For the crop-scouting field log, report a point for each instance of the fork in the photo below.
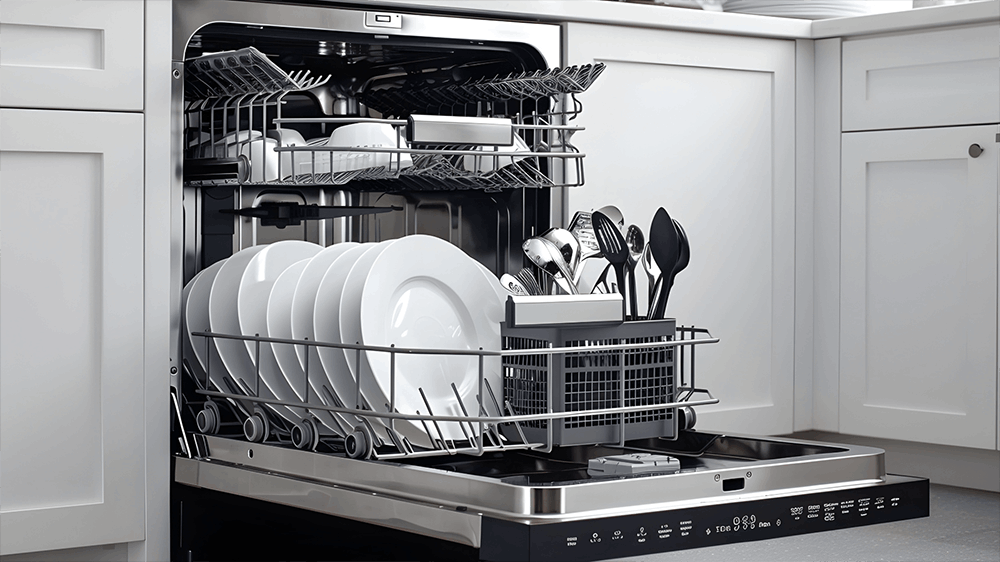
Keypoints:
(527, 278)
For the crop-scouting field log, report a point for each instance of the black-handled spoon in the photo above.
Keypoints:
(665, 247)
(683, 257)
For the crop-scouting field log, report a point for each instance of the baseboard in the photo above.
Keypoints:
(953, 466)
(103, 553)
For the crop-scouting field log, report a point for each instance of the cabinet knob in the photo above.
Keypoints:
(975, 150)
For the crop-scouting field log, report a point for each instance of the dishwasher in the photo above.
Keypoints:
(334, 131)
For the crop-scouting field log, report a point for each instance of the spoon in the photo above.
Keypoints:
(613, 246)
(684, 256)
(568, 246)
(547, 257)
(514, 286)
(666, 251)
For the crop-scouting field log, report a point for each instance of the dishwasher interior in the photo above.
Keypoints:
(571, 438)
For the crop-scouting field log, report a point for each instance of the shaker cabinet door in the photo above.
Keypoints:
(919, 286)
(71, 329)
(703, 125)
(72, 54)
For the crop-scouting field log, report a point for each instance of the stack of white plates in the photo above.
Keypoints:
(805, 9)
(417, 292)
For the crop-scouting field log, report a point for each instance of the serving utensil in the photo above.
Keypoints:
(568, 246)
(665, 247)
(683, 257)
(685, 251)
(547, 257)
(615, 214)
(651, 269)
(615, 250)
(582, 228)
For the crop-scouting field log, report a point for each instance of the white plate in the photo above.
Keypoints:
(224, 319)
(423, 292)
(296, 309)
(253, 292)
(257, 280)
(279, 326)
(326, 328)
(195, 317)
(304, 302)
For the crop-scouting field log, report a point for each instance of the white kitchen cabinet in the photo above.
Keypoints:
(942, 77)
(918, 282)
(703, 125)
(72, 54)
(71, 333)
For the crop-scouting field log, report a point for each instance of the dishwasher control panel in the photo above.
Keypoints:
(632, 535)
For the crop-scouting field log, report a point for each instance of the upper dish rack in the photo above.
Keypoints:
(547, 83)
(237, 134)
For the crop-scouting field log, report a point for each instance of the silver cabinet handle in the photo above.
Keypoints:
(975, 150)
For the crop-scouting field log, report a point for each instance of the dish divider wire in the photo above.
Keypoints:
(499, 425)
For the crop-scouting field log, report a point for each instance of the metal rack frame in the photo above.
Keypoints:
(485, 422)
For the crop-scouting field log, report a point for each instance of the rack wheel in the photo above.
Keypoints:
(208, 418)
(359, 443)
(256, 428)
(305, 436)
(687, 418)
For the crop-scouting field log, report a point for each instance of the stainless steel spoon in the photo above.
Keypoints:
(547, 257)
(651, 269)
(568, 246)
(513, 286)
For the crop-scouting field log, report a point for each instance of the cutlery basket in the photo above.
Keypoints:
(588, 380)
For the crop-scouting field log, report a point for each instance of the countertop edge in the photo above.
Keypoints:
(918, 18)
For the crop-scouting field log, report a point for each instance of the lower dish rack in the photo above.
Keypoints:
(560, 387)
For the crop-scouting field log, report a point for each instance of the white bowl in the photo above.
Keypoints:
(368, 135)
(495, 157)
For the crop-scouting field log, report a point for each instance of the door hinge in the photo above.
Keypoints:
(998, 137)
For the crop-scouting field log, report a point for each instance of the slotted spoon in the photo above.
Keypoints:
(613, 246)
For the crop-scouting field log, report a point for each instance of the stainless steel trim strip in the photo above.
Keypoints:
(416, 517)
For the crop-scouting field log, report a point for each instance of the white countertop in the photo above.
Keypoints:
(686, 19)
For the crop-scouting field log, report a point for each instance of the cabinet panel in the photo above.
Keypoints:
(664, 128)
(71, 54)
(934, 78)
(919, 286)
(71, 347)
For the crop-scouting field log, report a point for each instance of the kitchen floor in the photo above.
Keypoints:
(964, 526)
